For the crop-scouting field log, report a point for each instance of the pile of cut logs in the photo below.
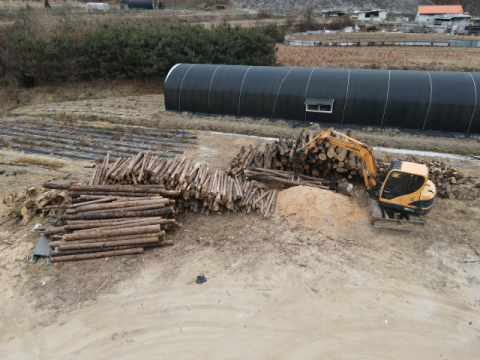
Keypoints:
(192, 184)
(326, 161)
(106, 221)
(26, 204)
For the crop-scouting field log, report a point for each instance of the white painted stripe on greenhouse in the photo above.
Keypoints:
(386, 100)
(306, 90)
(171, 70)
(279, 88)
(240, 94)
(180, 92)
(346, 96)
(475, 107)
(430, 103)
(211, 81)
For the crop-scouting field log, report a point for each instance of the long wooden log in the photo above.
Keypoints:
(107, 221)
(134, 162)
(126, 194)
(96, 201)
(93, 224)
(99, 233)
(151, 206)
(122, 204)
(137, 242)
(106, 188)
(115, 215)
(103, 249)
(160, 236)
(98, 255)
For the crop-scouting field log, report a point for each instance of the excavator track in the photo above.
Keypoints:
(381, 219)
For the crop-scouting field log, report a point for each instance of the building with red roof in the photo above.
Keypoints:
(442, 17)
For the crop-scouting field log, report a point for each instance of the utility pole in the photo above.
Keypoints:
(468, 6)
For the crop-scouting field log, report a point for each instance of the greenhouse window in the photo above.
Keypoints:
(319, 105)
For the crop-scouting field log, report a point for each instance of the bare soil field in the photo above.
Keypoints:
(376, 57)
(310, 281)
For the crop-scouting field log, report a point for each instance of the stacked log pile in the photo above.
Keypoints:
(325, 161)
(27, 204)
(114, 221)
(192, 184)
(329, 162)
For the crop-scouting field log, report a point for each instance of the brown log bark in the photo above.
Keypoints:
(160, 236)
(96, 201)
(106, 188)
(100, 233)
(118, 168)
(134, 162)
(98, 255)
(115, 215)
(95, 250)
(118, 204)
(105, 244)
(92, 179)
(122, 224)
(151, 206)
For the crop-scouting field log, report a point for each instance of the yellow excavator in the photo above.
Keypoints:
(396, 203)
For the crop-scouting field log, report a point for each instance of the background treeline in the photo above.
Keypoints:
(70, 50)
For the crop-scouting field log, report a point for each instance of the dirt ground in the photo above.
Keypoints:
(277, 288)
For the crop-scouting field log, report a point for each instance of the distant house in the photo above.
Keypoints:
(442, 16)
(378, 15)
(325, 14)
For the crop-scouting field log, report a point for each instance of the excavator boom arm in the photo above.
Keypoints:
(364, 151)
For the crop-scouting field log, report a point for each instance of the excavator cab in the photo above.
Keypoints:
(407, 189)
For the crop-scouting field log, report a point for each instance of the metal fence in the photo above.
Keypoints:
(344, 40)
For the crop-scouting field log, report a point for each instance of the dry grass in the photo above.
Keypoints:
(395, 58)
(14, 95)
(5, 143)
(32, 161)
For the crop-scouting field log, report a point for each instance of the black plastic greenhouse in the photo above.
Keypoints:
(139, 4)
(423, 101)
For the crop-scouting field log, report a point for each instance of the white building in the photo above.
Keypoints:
(378, 15)
(442, 16)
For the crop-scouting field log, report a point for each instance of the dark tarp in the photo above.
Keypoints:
(259, 91)
(139, 4)
(412, 100)
(313, 101)
(453, 101)
(408, 99)
(225, 89)
(367, 96)
(291, 95)
(328, 84)
(474, 126)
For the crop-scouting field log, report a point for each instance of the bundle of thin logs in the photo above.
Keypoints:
(193, 186)
(325, 161)
(105, 221)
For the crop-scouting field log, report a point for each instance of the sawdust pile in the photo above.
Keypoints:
(313, 207)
